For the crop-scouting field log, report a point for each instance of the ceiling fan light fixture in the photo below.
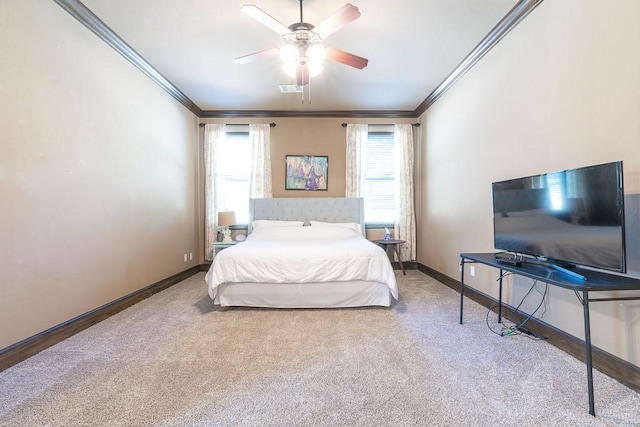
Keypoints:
(315, 69)
(301, 54)
(290, 68)
(316, 54)
(289, 54)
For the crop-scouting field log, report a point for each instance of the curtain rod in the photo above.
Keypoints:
(415, 125)
(239, 124)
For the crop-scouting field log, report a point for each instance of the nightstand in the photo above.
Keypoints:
(218, 246)
(393, 243)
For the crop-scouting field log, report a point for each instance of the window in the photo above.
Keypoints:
(236, 175)
(380, 178)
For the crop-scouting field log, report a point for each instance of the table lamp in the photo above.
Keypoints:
(225, 219)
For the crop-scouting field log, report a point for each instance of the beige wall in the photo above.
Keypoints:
(560, 91)
(98, 185)
(317, 137)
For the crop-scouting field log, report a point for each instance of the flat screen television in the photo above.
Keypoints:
(571, 217)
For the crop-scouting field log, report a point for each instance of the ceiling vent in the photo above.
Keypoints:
(291, 89)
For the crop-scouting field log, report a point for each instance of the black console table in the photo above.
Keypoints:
(596, 281)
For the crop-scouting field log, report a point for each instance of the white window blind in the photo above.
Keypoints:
(380, 178)
(236, 175)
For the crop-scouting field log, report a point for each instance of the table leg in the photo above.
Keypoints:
(461, 287)
(399, 260)
(587, 346)
(500, 299)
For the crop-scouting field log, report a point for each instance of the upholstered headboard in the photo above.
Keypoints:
(326, 209)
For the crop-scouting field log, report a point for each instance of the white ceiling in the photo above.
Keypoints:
(412, 46)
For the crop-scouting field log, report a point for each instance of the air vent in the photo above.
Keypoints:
(291, 89)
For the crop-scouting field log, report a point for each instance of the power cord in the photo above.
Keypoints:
(506, 329)
(519, 329)
(542, 301)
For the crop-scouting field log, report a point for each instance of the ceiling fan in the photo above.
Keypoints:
(303, 52)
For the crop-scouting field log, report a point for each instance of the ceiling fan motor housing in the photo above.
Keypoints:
(305, 45)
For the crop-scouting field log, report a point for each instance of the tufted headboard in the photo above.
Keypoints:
(326, 209)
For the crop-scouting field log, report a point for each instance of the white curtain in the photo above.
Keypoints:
(260, 182)
(357, 136)
(405, 225)
(214, 137)
(261, 185)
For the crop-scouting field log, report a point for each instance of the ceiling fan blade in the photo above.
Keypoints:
(337, 20)
(256, 56)
(346, 58)
(264, 18)
(302, 75)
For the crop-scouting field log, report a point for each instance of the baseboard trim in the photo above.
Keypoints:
(31, 346)
(408, 265)
(605, 362)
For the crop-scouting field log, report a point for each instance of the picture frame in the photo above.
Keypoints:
(308, 173)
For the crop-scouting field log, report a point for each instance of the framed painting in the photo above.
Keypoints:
(306, 172)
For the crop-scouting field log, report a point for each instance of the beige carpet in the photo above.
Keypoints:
(176, 360)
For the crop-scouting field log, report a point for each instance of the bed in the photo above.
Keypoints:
(303, 253)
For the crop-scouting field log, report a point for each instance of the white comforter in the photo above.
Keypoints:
(302, 255)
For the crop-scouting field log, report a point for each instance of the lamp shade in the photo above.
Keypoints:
(226, 218)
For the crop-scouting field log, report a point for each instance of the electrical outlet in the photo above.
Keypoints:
(472, 270)
(185, 257)
(190, 256)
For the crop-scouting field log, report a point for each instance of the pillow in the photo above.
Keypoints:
(268, 223)
(352, 225)
(307, 234)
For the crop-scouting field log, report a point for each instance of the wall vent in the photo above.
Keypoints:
(291, 89)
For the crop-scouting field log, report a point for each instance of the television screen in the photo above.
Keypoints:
(569, 217)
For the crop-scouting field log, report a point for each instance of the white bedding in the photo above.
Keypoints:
(302, 255)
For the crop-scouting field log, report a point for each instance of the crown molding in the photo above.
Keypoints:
(319, 113)
(99, 28)
(510, 20)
